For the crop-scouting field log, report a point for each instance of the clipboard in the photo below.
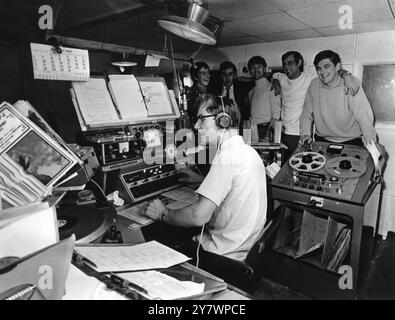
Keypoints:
(38, 276)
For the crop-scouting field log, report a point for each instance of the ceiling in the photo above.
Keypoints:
(133, 22)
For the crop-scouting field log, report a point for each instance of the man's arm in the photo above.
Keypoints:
(275, 105)
(362, 111)
(276, 85)
(194, 215)
(351, 83)
(306, 118)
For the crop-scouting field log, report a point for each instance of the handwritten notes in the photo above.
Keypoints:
(95, 102)
(162, 286)
(148, 255)
(156, 98)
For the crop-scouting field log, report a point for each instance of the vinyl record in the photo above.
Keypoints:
(87, 223)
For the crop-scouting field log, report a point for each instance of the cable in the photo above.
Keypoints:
(197, 250)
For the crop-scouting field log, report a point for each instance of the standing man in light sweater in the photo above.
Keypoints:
(293, 85)
(265, 106)
(338, 118)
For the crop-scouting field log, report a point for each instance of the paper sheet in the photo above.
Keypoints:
(155, 96)
(162, 286)
(136, 213)
(126, 92)
(152, 61)
(374, 152)
(80, 286)
(144, 256)
(95, 102)
(182, 197)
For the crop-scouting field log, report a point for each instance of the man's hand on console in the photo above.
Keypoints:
(305, 139)
(156, 210)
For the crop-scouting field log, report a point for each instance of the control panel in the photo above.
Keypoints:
(336, 171)
(124, 146)
(146, 181)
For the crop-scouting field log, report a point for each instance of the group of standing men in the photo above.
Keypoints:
(333, 101)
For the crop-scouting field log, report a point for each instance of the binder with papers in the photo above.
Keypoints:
(124, 100)
(148, 271)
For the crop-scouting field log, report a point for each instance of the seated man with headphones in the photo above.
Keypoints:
(232, 197)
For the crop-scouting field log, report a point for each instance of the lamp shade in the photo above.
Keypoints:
(190, 27)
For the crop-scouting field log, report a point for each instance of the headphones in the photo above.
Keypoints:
(223, 120)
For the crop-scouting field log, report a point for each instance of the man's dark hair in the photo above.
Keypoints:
(213, 105)
(227, 65)
(297, 56)
(327, 54)
(256, 60)
(195, 68)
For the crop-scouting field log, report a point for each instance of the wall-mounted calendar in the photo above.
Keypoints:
(72, 64)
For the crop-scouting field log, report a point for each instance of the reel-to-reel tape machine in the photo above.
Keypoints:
(328, 170)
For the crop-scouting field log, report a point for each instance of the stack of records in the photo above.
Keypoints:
(338, 253)
(33, 158)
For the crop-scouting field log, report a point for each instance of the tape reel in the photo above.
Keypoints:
(307, 161)
(346, 167)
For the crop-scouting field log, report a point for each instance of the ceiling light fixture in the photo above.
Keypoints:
(191, 26)
(124, 63)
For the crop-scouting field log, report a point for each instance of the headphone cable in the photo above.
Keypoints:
(197, 250)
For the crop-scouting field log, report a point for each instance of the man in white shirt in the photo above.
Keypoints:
(265, 106)
(232, 197)
(293, 85)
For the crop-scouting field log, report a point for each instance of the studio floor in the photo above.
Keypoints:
(380, 283)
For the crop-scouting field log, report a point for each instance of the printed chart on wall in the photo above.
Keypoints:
(72, 64)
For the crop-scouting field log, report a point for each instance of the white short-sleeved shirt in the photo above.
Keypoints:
(293, 95)
(236, 183)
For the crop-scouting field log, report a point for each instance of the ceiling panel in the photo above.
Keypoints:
(278, 22)
(77, 11)
(328, 15)
(299, 4)
(297, 34)
(241, 9)
(360, 28)
(231, 33)
(237, 41)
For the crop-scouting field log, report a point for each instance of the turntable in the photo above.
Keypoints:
(87, 223)
(88, 220)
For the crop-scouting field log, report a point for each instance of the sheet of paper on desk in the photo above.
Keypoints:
(182, 197)
(136, 213)
(144, 256)
(162, 286)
